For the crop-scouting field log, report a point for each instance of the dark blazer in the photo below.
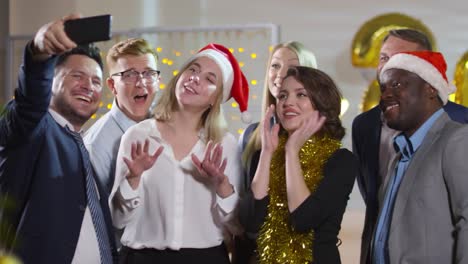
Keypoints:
(41, 169)
(322, 211)
(366, 142)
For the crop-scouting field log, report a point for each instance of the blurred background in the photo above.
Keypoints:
(329, 28)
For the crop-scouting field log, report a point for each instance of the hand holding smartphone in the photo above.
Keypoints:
(89, 29)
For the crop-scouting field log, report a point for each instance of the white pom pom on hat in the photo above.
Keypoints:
(428, 65)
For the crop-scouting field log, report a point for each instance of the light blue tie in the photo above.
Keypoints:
(97, 215)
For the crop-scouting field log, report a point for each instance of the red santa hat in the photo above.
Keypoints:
(428, 65)
(235, 84)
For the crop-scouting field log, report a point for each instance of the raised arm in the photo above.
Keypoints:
(32, 97)
(331, 195)
(136, 155)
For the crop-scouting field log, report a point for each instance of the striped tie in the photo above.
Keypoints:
(93, 203)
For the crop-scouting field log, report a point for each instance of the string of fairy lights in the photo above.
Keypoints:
(170, 60)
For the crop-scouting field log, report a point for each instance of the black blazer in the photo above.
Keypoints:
(322, 211)
(366, 130)
(42, 171)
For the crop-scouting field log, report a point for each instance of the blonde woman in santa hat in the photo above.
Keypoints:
(282, 56)
(178, 174)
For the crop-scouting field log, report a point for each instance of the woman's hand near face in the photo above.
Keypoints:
(212, 169)
(140, 161)
(309, 127)
(269, 137)
(269, 134)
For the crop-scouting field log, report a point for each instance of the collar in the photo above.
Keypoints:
(62, 121)
(123, 121)
(408, 146)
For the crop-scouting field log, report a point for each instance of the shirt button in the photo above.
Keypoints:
(136, 202)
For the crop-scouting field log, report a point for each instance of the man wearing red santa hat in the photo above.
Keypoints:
(423, 203)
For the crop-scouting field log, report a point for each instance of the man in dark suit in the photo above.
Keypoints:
(61, 212)
(373, 139)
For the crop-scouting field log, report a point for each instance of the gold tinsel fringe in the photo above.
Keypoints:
(277, 241)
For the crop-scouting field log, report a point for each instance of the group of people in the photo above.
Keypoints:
(173, 186)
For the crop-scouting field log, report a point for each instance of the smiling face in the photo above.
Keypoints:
(197, 86)
(76, 89)
(293, 105)
(282, 59)
(407, 101)
(133, 98)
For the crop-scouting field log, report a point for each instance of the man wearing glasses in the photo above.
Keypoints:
(133, 80)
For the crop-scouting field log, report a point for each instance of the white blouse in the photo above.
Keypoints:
(171, 207)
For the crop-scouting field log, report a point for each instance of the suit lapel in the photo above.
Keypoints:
(411, 174)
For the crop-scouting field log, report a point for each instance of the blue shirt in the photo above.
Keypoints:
(103, 140)
(406, 147)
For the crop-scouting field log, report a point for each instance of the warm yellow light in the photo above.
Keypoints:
(344, 106)
(231, 50)
(101, 104)
(109, 106)
(270, 48)
(240, 50)
(240, 131)
(178, 53)
(253, 55)
(93, 116)
(162, 86)
(170, 62)
(253, 82)
(158, 49)
(241, 64)
(451, 97)
(234, 105)
(175, 72)
(165, 60)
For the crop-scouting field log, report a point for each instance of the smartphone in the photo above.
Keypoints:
(272, 121)
(89, 29)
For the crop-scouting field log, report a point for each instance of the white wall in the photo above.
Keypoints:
(325, 26)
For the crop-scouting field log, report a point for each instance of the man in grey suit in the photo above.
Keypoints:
(423, 204)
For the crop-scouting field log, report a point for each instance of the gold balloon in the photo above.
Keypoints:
(9, 259)
(461, 80)
(371, 96)
(368, 40)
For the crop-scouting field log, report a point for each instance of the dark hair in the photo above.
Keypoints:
(410, 35)
(89, 50)
(324, 96)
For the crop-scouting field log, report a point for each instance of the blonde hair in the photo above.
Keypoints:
(131, 46)
(306, 58)
(212, 120)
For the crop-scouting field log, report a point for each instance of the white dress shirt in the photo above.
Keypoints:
(87, 248)
(102, 140)
(171, 208)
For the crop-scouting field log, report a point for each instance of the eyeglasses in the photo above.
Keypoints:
(131, 76)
